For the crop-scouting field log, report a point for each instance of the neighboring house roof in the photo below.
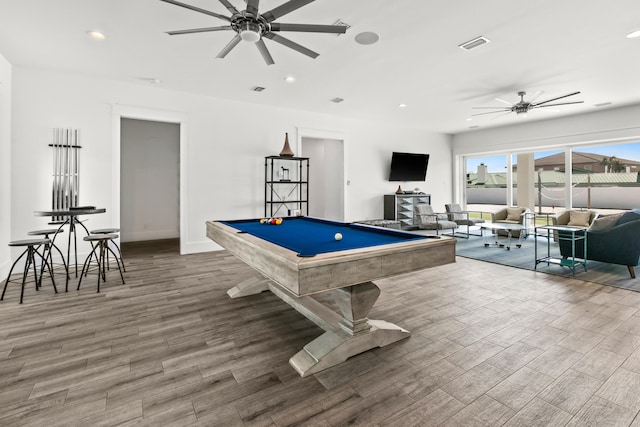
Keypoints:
(579, 158)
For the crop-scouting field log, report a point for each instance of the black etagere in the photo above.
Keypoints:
(286, 188)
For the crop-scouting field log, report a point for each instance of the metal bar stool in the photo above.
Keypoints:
(113, 242)
(100, 243)
(48, 249)
(30, 252)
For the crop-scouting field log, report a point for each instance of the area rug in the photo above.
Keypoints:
(524, 257)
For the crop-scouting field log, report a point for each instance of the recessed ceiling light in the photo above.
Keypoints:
(96, 35)
(469, 119)
(289, 79)
(402, 105)
(367, 37)
(633, 35)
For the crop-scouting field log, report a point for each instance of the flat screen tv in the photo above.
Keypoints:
(408, 167)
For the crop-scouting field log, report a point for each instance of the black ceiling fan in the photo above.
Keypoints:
(523, 107)
(252, 26)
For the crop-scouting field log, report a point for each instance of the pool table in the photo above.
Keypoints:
(302, 257)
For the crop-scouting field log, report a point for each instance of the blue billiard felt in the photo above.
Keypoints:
(311, 236)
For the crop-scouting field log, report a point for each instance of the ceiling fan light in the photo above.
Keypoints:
(250, 32)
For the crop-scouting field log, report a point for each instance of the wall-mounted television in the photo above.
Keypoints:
(408, 166)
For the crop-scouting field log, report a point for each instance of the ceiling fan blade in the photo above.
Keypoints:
(293, 45)
(197, 9)
(252, 7)
(309, 28)
(285, 8)
(199, 30)
(229, 6)
(561, 103)
(505, 102)
(555, 99)
(535, 96)
(506, 110)
(234, 41)
(493, 108)
(265, 52)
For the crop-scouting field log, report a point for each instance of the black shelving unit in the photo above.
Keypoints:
(286, 186)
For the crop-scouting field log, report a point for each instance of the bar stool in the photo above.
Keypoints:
(48, 249)
(30, 252)
(100, 243)
(111, 231)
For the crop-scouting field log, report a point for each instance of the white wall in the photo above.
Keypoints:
(5, 166)
(224, 154)
(149, 183)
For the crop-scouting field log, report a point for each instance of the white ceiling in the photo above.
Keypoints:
(550, 45)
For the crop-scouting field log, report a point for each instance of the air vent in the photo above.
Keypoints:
(337, 100)
(472, 44)
(257, 89)
(344, 24)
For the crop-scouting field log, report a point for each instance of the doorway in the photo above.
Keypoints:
(121, 112)
(149, 180)
(326, 176)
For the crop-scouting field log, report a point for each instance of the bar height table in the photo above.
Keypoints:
(71, 217)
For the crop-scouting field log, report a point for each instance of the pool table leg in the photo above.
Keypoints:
(252, 286)
(353, 334)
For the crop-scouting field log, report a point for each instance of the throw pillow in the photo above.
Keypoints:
(513, 214)
(579, 218)
(605, 222)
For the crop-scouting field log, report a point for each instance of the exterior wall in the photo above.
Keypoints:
(601, 197)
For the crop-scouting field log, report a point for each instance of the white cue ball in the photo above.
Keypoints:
(338, 236)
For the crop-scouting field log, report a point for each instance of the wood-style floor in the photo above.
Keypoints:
(490, 346)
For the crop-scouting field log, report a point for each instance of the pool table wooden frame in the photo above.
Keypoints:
(347, 274)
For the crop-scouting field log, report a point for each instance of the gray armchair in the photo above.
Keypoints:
(511, 215)
(574, 217)
(430, 220)
(460, 217)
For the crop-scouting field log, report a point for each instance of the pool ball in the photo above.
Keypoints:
(338, 236)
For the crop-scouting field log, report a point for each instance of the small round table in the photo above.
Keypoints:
(71, 217)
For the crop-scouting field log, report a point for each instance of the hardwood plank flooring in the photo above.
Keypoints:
(490, 345)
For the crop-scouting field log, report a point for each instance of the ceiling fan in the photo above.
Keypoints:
(523, 107)
(254, 27)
